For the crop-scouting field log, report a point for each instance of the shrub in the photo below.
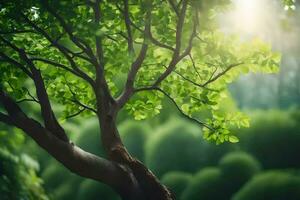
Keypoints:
(134, 136)
(56, 177)
(177, 146)
(273, 185)
(274, 139)
(18, 178)
(237, 168)
(64, 192)
(90, 190)
(206, 184)
(89, 138)
(54, 174)
(176, 182)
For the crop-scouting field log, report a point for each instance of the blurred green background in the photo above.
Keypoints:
(264, 165)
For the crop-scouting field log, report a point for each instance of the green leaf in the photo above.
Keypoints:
(233, 139)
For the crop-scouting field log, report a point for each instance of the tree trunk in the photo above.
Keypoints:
(142, 183)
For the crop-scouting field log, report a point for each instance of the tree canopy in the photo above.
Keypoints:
(97, 57)
(167, 49)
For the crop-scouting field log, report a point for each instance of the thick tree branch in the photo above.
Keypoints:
(15, 63)
(101, 87)
(72, 157)
(188, 49)
(50, 120)
(136, 65)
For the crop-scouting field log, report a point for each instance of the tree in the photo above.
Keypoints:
(97, 57)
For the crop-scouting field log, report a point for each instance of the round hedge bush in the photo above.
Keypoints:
(54, 174)
(237, 168)
(134, 135)
(92, 190)
(273, 185)
(176, 146)
(89, 138)
(274, 139)
(176, 181)
(206, 184)
(64, 192)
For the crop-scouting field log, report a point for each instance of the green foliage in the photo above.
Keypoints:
(18, 171)
(275, 185)
(89, 137)
(94, 190)
(53, 175)
(176, 181)
(289, 4)
(273, 139)
(198, 83)
(237, 168)
(221, 182)
(134, 136)
(59, 182)
(206, 184)
(163, 154)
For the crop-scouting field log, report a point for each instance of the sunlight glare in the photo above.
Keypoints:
(247, 15)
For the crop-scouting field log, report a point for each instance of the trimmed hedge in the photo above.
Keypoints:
(89, 138)
(272, 185)
(274, 139)
(92, 190)
(176, 146)
(134, 136)
(237, 168)
(176, 181)
(206, 184)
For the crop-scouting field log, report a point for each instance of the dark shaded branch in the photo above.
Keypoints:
(78, 73)
(221, 74)
(62, 49)
(16, 32)
(15, 63)
(194, 65)
(151, 38)
(202, 124)
(27, 100)
(68, 29)
(192, 82)
(188, 49)
(128, 26)
(32, 98)
(76, 101)
(136, 65)
(72, 157)
(160, 44)
(75, 114)
(176, 55)
(101, 87)
(174, 6)
(50, 120)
